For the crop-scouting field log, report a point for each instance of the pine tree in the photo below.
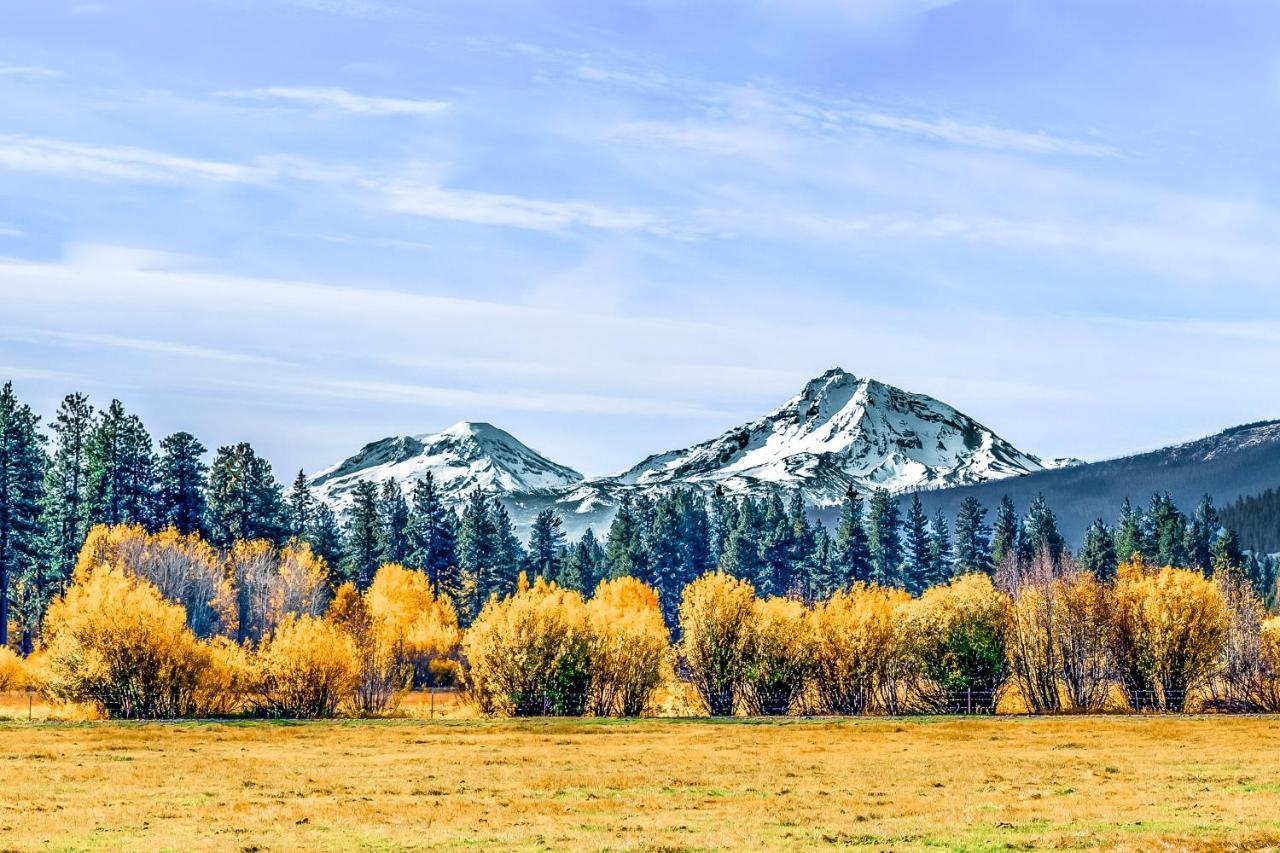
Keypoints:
(851, 552)
(1130, 535)
(243, 497)
(742, 549)
(393, 524)
(363, 536)
(22, 462)
(939, 551)
(299, 507)
(546, 546)
(1042, 531)
(665, 557)
(433, 539)
(916, 535)
(180, 500)
(585, 562)
(775, 548)
(886, 543)
(324, 535)
(1226, 552)
(1167, 531)
(623, 550)
(477, 553)
(509, 555)
(801, 547)
(1200, 534)
(723, 519)
(63, 513)
(1098, 553)
(121, 470)
(972, 538)
(1006, 532)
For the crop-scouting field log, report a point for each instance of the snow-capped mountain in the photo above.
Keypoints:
(464, 457)
(842, 431)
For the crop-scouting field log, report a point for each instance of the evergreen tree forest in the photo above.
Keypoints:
(90, 466)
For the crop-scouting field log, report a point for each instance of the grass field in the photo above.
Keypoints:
(1205, 783)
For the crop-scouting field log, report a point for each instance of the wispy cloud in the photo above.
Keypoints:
(7, 230)
(146, 345)
(422, 197)
(341, 100)
(27, 71)
(57, 156)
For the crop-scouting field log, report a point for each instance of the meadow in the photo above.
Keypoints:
(990, 783)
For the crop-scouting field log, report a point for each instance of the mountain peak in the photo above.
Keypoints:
(466, 456)
(841, 431)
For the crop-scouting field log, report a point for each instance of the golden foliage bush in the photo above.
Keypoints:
(1082, 634)
(857, 651)
(630, 647)
(183, 568)
(716, 620)
(271, 584)
(14, 673)
(530, 654)
(1168, 633)
(955, 640)
(113, 641)
(780, 656)
(307, 667)
(410, 619)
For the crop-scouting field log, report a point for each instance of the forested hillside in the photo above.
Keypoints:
(1256, 520)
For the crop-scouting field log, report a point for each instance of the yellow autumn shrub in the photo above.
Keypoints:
(307, 667)
(409, 617)
(630, 647)
(1168, 633)
(114, 642)
(14, 674)
(183, 568)
(954, 637)
(530, 654)
(717, 615)
(856, 650)
(780, 656)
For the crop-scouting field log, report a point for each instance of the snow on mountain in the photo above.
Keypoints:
(464, 457)
(841, 431)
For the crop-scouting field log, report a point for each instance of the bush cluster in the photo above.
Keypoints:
(161, 625)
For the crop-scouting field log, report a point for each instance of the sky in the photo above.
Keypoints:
(619, 228)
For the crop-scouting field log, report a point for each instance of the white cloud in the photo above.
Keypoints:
(146, 345)
(118, 162)
(27, 71)
(423, 197)
(341, 100)
(7, 230)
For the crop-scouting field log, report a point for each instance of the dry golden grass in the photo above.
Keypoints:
(966, 784)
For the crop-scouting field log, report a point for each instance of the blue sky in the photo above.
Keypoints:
(616, 228)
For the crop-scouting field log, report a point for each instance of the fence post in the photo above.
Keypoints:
(969, 700)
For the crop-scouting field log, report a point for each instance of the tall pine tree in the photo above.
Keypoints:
(972, 539)
(1006, 532)
(939, 551)
(299, 507)
(546, 546)
(121, 470)
(883, 521)
(21, 490)
(1041, 531)
(851, 551)
(393, 524)
(180, 498)
(1131, 535)
(243, 497)
(363, 536)
(433, 539)
(65, 521)
(1098, 552)
(916, 541)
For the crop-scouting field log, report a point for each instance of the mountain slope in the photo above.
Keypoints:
(1243, 460)
(841, 431)
(464, 457)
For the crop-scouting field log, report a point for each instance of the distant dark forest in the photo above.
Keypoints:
(1256, 520)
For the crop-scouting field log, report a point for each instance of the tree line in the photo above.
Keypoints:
(102, 467)
(163, 625)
